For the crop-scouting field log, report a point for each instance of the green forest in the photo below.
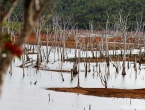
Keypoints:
(85, 11)
(96, 10)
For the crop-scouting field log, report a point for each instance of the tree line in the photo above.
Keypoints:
(86, 11)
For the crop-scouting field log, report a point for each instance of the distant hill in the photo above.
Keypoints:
(85, 11)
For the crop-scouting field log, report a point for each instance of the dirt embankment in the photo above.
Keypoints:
(102, 92)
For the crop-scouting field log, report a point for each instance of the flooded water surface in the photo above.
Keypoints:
(21, 93)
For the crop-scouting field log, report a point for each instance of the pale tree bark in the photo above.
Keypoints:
(123, 28)
(106, 39)
(58, 35)
(47, 42)
(38, 30)
(139, 31)
(91, 39)
(32, 12)
(115, 34)
(102, 46)
(79, 55)
(66, 24)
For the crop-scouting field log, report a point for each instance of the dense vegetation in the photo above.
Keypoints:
(96, 11)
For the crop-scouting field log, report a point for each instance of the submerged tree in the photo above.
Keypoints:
(33, 10)
(123, 28)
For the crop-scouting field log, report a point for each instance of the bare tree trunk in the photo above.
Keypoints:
(103, 81)
(23, 65)
(123, 27)
(10, 69)
(78, 85)
(72, 75)
(106, 38)
(61, 72)
(86, 64)
(124, 58)
(86, 70)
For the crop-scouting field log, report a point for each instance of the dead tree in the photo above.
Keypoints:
(123, 28)
(10, 71)
(78, 71)
(38, 30)
(61, 72)
(135, 67)
(23, 66)
(86, 61)
(91, 32)
(74, 70)
(47, 43)
(103, 80)
(139, 31)
(106, 41)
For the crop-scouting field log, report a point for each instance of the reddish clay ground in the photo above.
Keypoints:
(70, 41)
(102, 92)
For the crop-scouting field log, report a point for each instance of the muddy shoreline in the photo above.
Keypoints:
(102, 92)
